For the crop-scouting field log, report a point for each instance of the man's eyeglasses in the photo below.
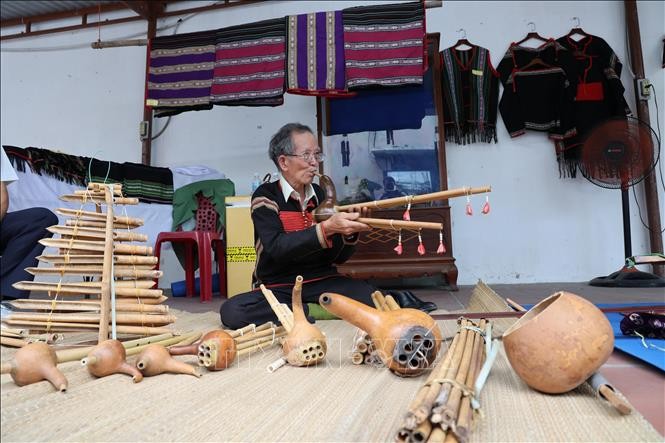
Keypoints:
(308, 156)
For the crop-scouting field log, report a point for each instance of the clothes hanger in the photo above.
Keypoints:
(577, 31)
(532, 35)
(535, 62)
(463, 41)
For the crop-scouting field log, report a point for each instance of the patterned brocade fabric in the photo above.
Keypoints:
(315, 54)
(384, 45)
(181, 68)
(249, 64)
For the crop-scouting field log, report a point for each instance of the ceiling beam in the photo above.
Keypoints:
(80, 12)
(146, 9)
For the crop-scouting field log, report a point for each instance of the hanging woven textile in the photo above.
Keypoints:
(384, 45)
(180, 72)
(470, 88)
(315, 54)
(249, 64)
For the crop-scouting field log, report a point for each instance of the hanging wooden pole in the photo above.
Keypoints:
(146, 138)
(650, 182)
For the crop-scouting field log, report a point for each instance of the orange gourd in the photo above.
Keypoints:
(33, 363)
(109, 357)
(155, 359)
(406, 340)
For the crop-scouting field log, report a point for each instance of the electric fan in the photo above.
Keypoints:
(618, 154)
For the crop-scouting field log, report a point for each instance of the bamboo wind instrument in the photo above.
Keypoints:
(92, 245)
(304, 344)
(442, 409)
(329, 206)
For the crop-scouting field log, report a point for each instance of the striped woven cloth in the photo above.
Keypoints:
(181, 68)
(384, 45)
(315, 54)
(249, 64)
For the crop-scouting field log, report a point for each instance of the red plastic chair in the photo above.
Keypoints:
(205, 237)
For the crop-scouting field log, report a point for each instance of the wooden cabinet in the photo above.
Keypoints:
(378, 164)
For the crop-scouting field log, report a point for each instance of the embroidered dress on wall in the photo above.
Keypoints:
(598, 96)
(181, 68)
(538, 90)
(249, 64)
(384, 45)
(470, 86)
(315, 54)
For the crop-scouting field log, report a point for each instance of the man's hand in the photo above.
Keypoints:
(344, 223)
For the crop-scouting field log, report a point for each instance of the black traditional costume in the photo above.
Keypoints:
(470, 87)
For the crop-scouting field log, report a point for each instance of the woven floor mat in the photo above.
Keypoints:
(336, 401)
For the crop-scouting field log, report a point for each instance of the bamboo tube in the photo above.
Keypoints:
(263, 333)
(422, 432)
(399, 224)
(379, 301)
(462, 426)
(391, 303)
(68, 326)
(185, 339)
(277, 308)
(97, 224)
(420, 406)
(4, 333)
(96, 186)
(13, 342)
(451, 408)
(97, 199)
(250, 329)
(100, 217)
(272, 367)
(260, 340)
(121, 318)
(361, 347)
(514, 304)
(91, 270)
(78, 289)
(85, 305)
(21, 332)
(97, 259)
(98, 246)
(357, 358)
(89, 232)
(254, 348)
(67, 355)
(415, 199)
(437, 435)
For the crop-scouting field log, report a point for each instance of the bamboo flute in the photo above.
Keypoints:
(99, 217)
(415, 199)
(94, 270)
(93, 317)
(451, 407)
(85, 305)
(98, 259)
(68, 327)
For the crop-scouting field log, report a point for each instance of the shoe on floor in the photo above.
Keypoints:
(406, 299)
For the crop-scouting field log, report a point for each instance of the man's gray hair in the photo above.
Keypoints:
(281, 143)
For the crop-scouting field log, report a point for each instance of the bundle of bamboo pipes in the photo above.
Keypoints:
(93, 245)
(363, 350)
(442, 408)
(17, 338)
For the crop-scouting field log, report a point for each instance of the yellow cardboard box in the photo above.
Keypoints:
(240, 252)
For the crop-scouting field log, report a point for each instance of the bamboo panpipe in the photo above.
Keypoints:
(407, 340)
(98, 259)
(98, 246)
(155, 359)
(33, 363)
(92, 270)
(100, 216)
(305, 344)
(217, 351)
(85, 305)
(109, 357)
(96, 233)
(120, 318)
(69, 326)
(98, 199)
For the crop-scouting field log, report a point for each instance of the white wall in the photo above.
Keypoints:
(541, 229)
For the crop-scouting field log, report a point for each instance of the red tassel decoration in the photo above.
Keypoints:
(486, 206)
(399, 248)
(441, 249)
(407, 216)
(469, 209)
(421, 247)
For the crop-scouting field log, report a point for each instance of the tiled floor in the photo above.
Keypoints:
(643, 385)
